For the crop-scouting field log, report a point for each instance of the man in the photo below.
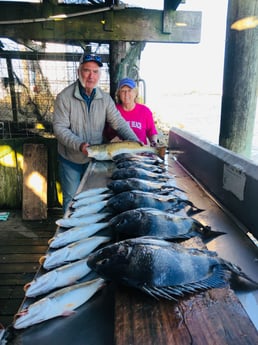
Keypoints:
(81, 111)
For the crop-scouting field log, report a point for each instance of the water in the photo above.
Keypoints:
(198, 114)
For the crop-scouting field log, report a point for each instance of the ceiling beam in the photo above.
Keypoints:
(127, 24)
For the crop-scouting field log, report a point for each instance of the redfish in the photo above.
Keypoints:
(59, 277)
(72, 252)
(62, 302)
(108, 151)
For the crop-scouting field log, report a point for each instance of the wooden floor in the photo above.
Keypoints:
(22, 243)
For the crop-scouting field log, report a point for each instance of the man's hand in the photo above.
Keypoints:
(83, 148)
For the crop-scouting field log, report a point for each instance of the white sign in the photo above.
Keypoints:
(234, 180)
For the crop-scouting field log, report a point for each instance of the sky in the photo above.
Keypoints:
(187, 67)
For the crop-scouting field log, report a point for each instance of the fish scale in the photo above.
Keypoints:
(147, 221)
(134, 199)
(142, 262)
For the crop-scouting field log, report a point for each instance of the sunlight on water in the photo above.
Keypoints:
(198, 114)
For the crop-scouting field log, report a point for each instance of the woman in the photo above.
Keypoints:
(138, 116)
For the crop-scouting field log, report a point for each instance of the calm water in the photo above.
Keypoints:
(198, 114)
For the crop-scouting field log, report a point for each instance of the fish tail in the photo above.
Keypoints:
(237, 273)
(42, 259)
(50, 240)
(26, 286)
(206, 232)
(193, 209)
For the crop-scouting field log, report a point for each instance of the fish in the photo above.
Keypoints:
(108, 151)
(133, 183)
(89, 219)
(62, 302)
(134, 199)
(62, 276)
(75, 234)
(124, 173)
(88, 209)
(90, 200)
(72, 252)
(163, 269)
(90, 192)
(135, 164)
(150, 158)
(145, 221)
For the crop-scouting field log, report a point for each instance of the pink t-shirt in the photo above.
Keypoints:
(140, 120)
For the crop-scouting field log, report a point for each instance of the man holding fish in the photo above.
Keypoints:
(81, 111)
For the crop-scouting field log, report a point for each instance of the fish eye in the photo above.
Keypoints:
(102, 262)
(123, 221)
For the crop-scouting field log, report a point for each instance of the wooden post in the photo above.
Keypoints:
(240, 77)
(34, 205)
(12, 89)
(117, 51)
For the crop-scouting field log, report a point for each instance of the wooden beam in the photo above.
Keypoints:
(129, 24)
(29, 55)
(240, 81)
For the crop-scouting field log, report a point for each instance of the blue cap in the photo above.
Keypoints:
(127, 82)
(91, 57)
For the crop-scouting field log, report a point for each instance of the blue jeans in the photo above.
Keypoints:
(70, 175)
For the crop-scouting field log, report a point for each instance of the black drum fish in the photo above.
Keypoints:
(133, 183)
(134, 199)
(135, 164)
(124, 173)
(152, 222)
(163, 269)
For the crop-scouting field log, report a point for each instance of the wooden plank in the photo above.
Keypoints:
(209, 318)
(34, 182)
(20, 267)
(19, 258)
(22, 244)
(16, 278)
(11, 307)
(20, 249)
(12, 240)
(12, 291)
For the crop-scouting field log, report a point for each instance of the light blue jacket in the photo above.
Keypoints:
(73, 124)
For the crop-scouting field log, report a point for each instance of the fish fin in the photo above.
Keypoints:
(217, 279)
(236, 273)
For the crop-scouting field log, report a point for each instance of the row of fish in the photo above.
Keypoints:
(147, 221)
(57, 290)
(146, 213)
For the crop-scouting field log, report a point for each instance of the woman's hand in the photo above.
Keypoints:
(153, 143)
